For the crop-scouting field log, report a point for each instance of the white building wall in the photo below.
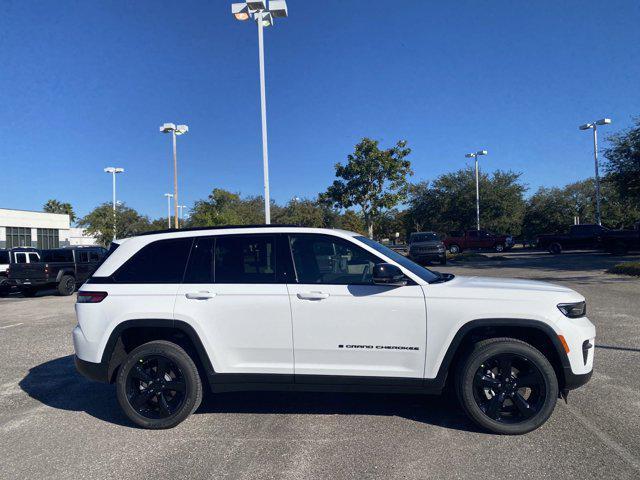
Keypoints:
(34, 220)
(77, 236)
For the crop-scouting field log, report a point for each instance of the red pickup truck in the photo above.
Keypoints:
(456, 242)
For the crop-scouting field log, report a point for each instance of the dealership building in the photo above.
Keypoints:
(23, 228)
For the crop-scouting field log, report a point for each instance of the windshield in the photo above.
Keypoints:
(423, 237)
(423, 273)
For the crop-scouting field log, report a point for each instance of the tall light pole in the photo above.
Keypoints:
(169, 197)
(475, 157)
(113, 171)
(263, 16)
(182, 207)
(175, 131)
(594, 126)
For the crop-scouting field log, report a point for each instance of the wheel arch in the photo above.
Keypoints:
(62, 273)
(132, 333)
(537, 333)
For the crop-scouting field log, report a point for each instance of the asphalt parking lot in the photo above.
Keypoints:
(56, 424)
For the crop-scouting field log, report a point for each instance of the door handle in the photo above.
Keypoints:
(199, 295)
(313, 296)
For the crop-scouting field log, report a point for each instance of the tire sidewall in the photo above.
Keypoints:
(481, 354)
(193, 390)
(67, 285)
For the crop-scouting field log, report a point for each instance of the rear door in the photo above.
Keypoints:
(235, 296)
(344, 325)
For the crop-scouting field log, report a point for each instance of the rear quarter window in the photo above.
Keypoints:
(162, 261)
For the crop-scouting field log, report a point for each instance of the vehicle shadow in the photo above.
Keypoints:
(57, 384)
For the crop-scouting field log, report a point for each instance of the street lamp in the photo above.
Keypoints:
(263, 16)
(174, 130)
(113, 171)
(182, 207)
(475, 157)
(594, 126)
(169, 197)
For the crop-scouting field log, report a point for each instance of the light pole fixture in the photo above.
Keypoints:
(594, 126)
(114, 171)
(475, 157)
(175, 131)
(169, 197)
(263, 15)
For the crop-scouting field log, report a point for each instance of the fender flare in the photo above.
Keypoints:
(452, 349)
(62, 273)
(182, 327)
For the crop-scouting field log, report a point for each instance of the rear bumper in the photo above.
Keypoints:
(19, 282)
(98, 372)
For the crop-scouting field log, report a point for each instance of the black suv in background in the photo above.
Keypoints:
(427, 247)
(60, 268)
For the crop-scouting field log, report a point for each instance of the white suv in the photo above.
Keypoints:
(290, 308)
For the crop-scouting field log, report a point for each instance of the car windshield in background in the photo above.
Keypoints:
(424, 273)
(424, 237)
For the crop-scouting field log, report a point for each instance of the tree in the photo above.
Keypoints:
(227, 208)
(303, 212)
(55, 206)
(373, 180)
(449, 203)
(623, 161)
(99, 222)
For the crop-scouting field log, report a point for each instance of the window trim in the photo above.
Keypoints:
(333, 238)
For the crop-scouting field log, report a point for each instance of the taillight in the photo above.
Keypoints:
(91, 297)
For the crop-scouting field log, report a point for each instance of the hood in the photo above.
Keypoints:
(510, 284)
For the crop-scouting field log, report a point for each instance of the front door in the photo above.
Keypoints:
(237, 301)
(343, 324)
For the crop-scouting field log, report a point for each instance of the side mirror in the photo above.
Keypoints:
(388, 274)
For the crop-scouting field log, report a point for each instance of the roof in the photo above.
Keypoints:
(221, 227)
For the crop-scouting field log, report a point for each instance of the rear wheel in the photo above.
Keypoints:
(555, 248)
(507, 386)
(499, 247)
(67, 285)
(158, 385)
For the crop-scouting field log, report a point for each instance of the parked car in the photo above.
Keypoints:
(60, 268)
(14, 255)
(620, 241)
(580, 237)
(293, 308)
(457, 242)
(427, 247)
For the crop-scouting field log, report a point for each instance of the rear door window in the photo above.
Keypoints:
(162, 261)
(245, 259)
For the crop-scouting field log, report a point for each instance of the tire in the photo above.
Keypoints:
(29, 292)
(499, 247)
(443, 259)
(516, 410)
(67, 285)
(555, 248)
(163, 406)
(454, 249)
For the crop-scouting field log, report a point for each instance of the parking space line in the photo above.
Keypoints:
(605, 438)
(12, 325)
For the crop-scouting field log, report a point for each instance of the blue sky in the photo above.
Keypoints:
(85, 85)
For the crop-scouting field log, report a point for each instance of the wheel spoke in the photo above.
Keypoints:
(162, 367)
(528, 380)
(504, 365)
(486, 381)
(140, 374)
(140, 399)
(522, 405)
(176, 385)
(164, 406)
(493, 408)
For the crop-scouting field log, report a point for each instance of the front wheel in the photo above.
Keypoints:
(555, 248)
(454, 249)
(158, 385)
(507, 386)
(499, 247)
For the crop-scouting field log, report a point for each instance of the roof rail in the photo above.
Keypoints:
(215, 227)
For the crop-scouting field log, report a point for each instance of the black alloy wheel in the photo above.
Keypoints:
(156, 387)
(67, 285)
(509, 388)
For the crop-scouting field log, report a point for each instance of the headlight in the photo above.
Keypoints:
(573, 310)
